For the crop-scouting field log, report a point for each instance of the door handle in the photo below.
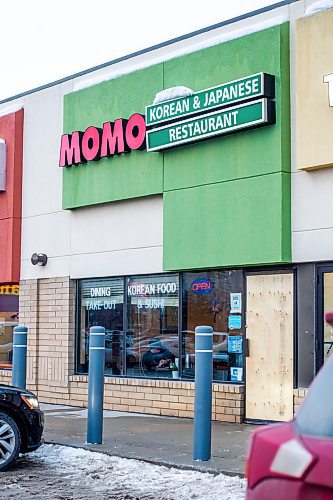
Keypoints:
(246, 347)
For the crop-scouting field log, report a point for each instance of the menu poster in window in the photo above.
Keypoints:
(235, 322)
(236, 374)
(235, 344)
(235, 302)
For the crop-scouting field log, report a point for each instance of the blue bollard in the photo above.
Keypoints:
(19, 371)
(96, 385)
(203, 393)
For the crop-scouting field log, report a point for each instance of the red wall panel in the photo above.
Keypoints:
(11, 130)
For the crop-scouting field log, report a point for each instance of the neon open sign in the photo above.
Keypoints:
(202, 286)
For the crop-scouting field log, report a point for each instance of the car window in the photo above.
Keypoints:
(315, 416)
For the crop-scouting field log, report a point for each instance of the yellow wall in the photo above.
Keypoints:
(314, 116)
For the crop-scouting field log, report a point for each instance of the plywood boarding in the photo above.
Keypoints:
(269, 368)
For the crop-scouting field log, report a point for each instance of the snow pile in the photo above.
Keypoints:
(172, 93)
(128, 478)
(318, 7)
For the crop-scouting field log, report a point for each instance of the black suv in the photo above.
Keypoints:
(21, 424)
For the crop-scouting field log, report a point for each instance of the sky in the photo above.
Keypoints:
(44, 41)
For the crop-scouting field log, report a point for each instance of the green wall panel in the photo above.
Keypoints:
(227, 200)
(235, 223)
(245, 154)
(121, 177)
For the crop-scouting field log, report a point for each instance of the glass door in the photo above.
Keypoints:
(324, 341)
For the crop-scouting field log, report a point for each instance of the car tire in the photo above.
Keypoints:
(10, 441)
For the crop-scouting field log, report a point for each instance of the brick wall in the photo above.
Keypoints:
(28, 313)
(47, 308)
(6, 377)
(162, 397)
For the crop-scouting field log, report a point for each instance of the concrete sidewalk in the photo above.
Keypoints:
(162, 440)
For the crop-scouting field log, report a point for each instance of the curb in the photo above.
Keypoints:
(169, 465)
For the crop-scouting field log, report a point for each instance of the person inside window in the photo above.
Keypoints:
(157, 356)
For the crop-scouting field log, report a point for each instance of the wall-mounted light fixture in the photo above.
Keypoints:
(39, 259)
(3, 160)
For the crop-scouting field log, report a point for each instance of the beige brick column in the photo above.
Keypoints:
(299, 395)
(47, 308)
(28, 316)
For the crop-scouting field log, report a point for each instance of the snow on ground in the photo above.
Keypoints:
(127, 478)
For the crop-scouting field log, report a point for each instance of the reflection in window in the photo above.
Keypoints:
(142, 338)
(328, 306)
(9, 307)
(214, 298)
(152, 326)
(102, 305)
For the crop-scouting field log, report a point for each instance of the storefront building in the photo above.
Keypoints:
(311, 178)
(11, 140)
(165, 193)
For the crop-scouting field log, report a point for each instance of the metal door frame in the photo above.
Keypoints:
(321, 269)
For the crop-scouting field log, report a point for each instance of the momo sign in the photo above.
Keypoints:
(226, 94)
(115, 138)
(220, 110)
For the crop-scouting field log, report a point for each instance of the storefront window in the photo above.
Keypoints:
(9, 307)
(215, 299)
(101, 304)
(328, 306)
(141, 317)
(152, 326)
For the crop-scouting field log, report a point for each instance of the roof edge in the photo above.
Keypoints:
(152, 48)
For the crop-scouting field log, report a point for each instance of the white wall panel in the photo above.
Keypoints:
(42, 178)
(116, 263)
(56, 266)
(312, 200)
(49, 234)
(46, 234)
(107, 240)
(117, 238)
(114, 226)
(310, 246)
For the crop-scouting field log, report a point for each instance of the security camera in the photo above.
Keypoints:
(39, 259)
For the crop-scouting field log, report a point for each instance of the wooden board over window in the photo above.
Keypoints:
(269, 368)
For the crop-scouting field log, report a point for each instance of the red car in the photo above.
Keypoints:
(294, 460)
